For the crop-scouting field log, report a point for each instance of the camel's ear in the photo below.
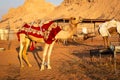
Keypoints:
(72, 18)
(79, 19)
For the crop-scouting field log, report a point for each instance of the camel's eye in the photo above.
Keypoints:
(74, 18)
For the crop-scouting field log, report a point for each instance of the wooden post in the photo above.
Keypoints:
(9, 42)
(117, 48)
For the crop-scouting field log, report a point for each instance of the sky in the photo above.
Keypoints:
(5, 5)
(56, 2)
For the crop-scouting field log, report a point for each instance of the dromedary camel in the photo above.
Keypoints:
(107, 29)
(28, 34)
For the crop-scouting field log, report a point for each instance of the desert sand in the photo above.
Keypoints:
(69, 62)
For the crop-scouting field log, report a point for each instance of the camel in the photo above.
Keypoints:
(26, 38)
(108, 28)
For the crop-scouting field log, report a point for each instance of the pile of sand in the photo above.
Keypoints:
(95, 9)
(28, 12)
(39, 9)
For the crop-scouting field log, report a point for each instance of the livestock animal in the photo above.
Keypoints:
(25, 37)
(108, 28)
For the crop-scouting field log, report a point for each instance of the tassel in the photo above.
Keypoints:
(32, 46)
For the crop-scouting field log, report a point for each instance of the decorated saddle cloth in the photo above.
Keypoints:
(45, 32)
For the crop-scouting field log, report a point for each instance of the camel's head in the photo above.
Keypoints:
(74, 20)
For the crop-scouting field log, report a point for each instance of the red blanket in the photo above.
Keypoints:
(35, 31)
(52, 34)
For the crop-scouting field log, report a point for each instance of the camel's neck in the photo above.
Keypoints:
(69, 32)
(73, 26)
(73, 29)
(66, 34)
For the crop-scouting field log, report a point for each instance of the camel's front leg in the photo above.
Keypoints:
(49, 54)
(105, 42)
(44, 55)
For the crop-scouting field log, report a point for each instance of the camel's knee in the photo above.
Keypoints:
(23, 43)
(24, 56)
(24, 53)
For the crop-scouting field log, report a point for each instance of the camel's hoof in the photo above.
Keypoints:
(22, 66)
(49, 67)
(42, 68)
(30, 65)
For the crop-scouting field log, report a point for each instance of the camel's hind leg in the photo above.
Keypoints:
(26, 44)
(22, 43)
(106, 41)
(20, 54)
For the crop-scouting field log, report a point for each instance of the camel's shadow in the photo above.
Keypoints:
(69, 42)
(34, 53)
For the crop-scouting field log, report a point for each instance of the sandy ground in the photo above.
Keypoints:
(69, 62)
